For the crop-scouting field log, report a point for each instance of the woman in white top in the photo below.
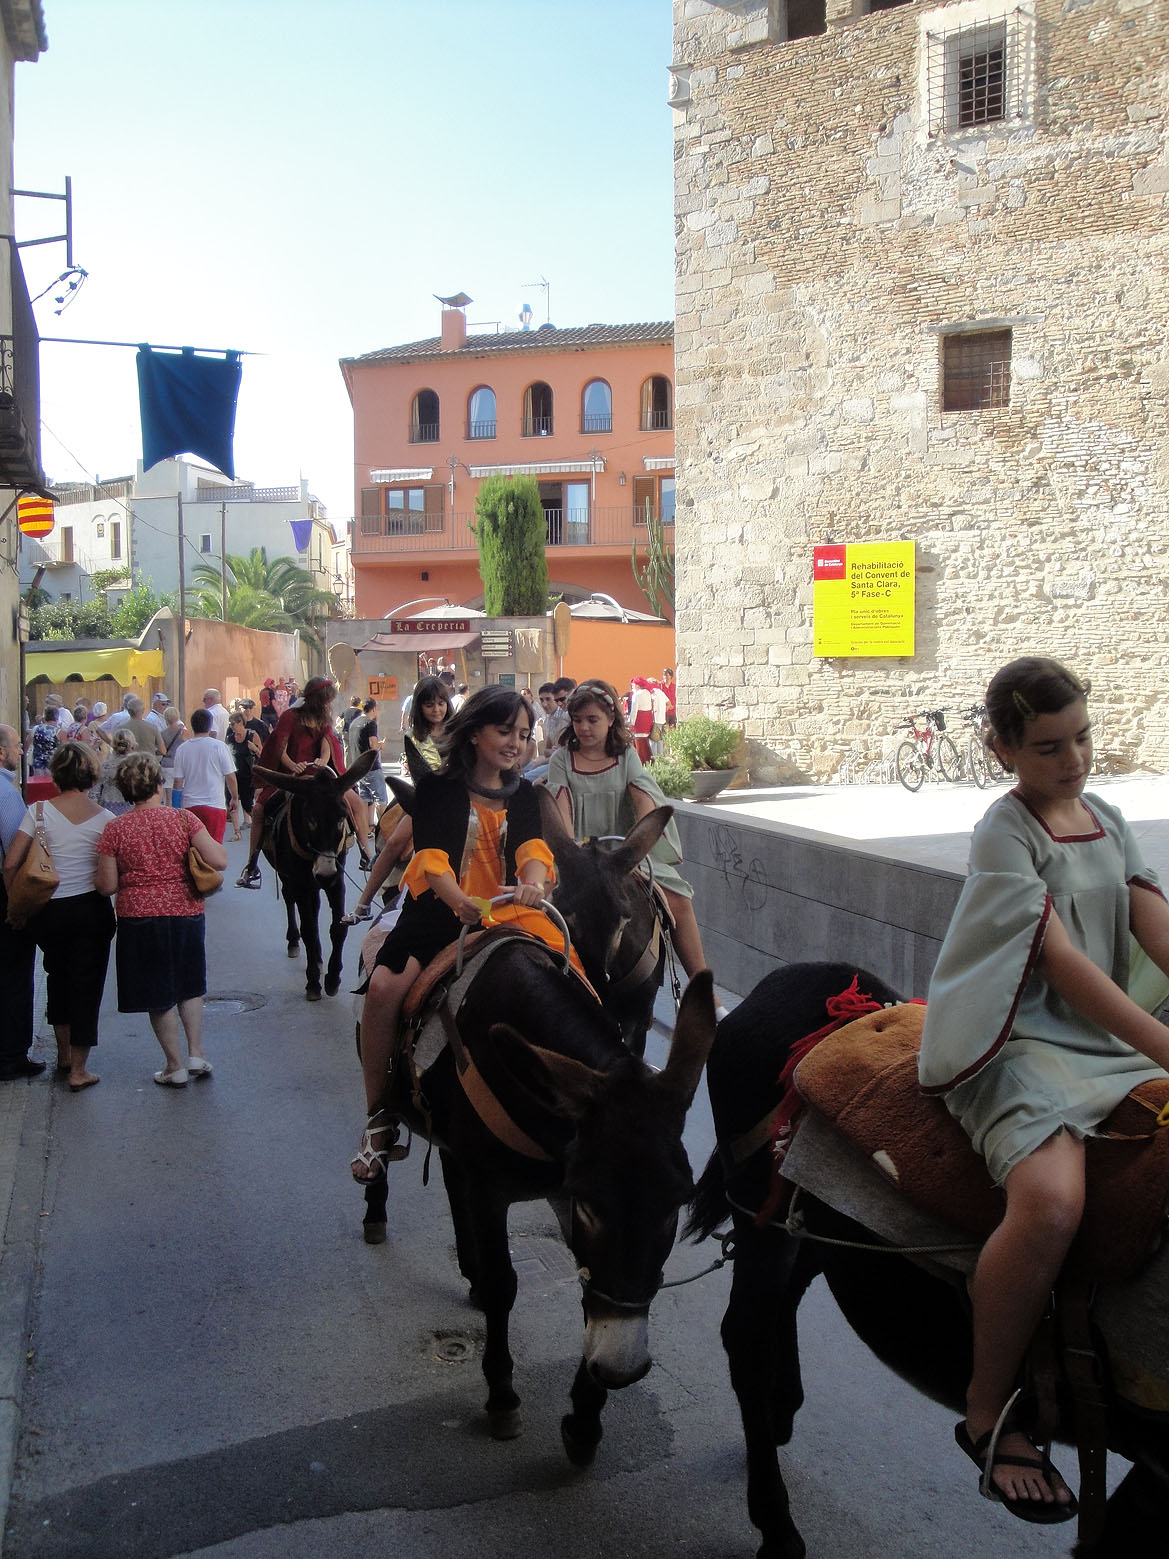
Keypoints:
(76, 926)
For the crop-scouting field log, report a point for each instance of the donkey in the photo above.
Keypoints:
(911, 1317)
(305, 845)
(615, 921)
(535, 1095)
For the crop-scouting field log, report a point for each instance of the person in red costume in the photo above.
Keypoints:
(641, 716)
(303, 738)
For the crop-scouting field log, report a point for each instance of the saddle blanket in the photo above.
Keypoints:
(1132, 1316)
(863, 1078)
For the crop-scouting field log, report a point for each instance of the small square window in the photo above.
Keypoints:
(977, 74)
(976, 370)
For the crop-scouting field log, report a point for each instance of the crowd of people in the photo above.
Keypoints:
(134, 791)
(1031, 1034)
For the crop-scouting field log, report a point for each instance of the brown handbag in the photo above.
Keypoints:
(36, 878)
(205, 878)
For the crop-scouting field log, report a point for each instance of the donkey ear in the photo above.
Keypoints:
(295, 784)
(416, 765)
(356, 772)
(551, 821)
(404, 794)
(572, 1084)
(693, 1037)
(641, 838)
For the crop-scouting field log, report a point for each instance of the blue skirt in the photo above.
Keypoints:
(160, 960)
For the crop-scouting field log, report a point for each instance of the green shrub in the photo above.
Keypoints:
(703, 743)
(673, 778)
(511, 532)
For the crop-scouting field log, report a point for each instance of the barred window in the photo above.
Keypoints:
(976, 370)
(976, 74)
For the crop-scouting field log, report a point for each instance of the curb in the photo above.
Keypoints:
(24, 1135)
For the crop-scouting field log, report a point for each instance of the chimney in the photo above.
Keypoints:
(454, 329)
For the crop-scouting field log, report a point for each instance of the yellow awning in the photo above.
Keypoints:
(124, 663)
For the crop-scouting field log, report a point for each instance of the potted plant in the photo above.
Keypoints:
(707, 748)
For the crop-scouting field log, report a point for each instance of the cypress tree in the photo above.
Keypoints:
(510, 533)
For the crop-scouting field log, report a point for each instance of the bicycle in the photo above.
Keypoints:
(915, 755)
(985, 768)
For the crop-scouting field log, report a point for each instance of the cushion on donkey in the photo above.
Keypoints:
(863, 1078)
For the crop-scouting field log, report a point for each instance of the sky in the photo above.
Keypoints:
(298, 178)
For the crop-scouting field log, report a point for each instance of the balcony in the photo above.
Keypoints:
(480, 430)
(536, 427)
(656, 421)
(20, 391)
(597, 422)
(424, 433)
(409, 531)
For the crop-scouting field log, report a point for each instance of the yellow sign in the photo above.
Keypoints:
(863, 598)
(382, 687)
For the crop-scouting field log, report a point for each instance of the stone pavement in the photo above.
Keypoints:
(931, 828)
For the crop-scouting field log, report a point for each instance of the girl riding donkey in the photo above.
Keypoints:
(602, 789)
(301, 739)
(476, 828)
(1037, 1026)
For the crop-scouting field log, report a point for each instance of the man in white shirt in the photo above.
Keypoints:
(119, 716)
(202, 767)
(158, 704)
(220, 719)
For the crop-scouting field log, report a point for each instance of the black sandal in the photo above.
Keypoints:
(983, 1452)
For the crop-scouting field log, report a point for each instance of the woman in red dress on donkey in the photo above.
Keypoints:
(303, 738)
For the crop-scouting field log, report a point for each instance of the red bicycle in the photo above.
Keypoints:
(926, 745)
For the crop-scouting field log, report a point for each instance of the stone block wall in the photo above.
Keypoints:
(830, 234)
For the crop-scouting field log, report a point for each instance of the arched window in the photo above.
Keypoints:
(596, 408)
(424, 418)
(657, 404)
(481, 413)
(537, 410)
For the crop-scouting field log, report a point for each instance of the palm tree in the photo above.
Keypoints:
(276, 595)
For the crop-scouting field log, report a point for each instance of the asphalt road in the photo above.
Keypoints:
(221, 1366)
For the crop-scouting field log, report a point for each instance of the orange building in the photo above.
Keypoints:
(588, 411)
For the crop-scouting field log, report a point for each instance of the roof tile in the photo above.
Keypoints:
(541, 340)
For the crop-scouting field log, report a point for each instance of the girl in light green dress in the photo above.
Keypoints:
(1037, 1025)
(602, 789)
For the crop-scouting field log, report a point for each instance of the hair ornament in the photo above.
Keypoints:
(594, 691)
(1023, 706)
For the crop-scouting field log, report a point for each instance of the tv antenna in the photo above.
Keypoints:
(547, 286)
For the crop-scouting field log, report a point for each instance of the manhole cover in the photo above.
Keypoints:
(453, 1348)
(227, 1003)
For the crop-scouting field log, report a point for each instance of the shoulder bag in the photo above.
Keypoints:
(205, 878)
(36, 878)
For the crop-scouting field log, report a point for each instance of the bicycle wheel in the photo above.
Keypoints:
(910, 765)
(948, 760)
(994, 768)
(979, 771)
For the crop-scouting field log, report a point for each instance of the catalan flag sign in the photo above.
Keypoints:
(35, 516)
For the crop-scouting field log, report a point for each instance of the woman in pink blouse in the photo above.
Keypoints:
(159, 953)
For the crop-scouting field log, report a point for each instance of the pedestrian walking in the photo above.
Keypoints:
(75, 928)
(202, 766)
(160, 957)
(17, 947)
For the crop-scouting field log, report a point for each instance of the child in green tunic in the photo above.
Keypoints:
(1038, 1024)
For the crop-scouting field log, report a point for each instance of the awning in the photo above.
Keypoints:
(125, 664)
(417, 643)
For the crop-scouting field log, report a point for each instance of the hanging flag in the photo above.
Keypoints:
(35, 516)
(302, 531)
(187, 405)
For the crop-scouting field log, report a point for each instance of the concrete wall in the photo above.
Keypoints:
(766, 894)
(830, 235)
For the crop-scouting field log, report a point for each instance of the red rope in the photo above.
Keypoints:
(849, 1005)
